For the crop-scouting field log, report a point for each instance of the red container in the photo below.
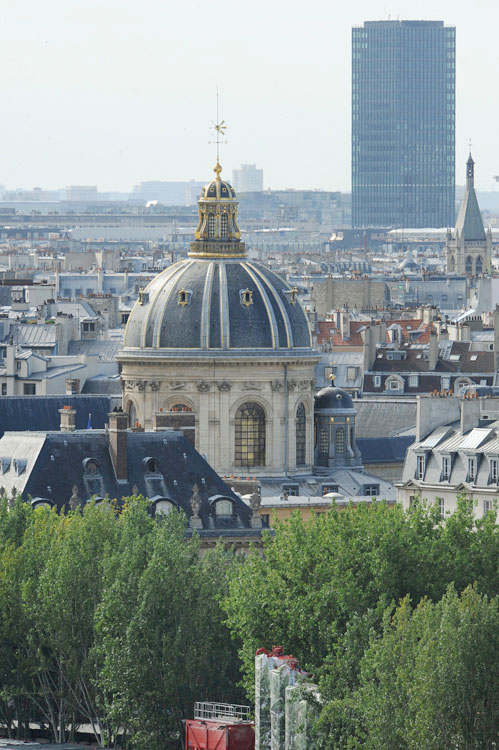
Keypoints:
(218, 735)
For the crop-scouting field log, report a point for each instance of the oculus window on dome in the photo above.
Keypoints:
(246, 296)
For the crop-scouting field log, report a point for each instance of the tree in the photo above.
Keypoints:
(174, 649)
(432, 681)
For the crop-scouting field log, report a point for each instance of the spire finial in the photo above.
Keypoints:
(219, 127)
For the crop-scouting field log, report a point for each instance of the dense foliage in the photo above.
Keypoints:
(111, 620)
(327, 590)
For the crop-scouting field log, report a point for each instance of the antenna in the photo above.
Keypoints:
(219, 129)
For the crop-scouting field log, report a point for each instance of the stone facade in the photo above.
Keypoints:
(206, 396)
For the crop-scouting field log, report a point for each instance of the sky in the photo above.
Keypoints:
(115, 92)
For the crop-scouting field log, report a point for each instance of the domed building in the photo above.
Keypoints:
(220, 347)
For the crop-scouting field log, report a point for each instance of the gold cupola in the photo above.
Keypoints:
(217, 233)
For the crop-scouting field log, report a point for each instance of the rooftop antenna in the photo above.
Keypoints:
(219, 127)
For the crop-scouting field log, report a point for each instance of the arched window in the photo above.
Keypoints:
(301, 430)
(250, 436)
(479, 265)
(324, 441)
(224, 226)
(340, 441)
(211, 226)
(452, 264)
(469, 265)
(180, 407)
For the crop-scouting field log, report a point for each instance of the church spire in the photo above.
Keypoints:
(469, 222)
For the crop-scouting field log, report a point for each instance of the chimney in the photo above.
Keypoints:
(470, 414)
(68, 416)
(431, 412)
(344, 316)
(118, 443)
(433, 351)
(72, 386)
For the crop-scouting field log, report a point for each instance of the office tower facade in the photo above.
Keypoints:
(247, 179)
(403, 124)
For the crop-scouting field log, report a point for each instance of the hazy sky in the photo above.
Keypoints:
(112, 92)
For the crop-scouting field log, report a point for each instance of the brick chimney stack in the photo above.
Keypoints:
(68, 416)
(118, 446)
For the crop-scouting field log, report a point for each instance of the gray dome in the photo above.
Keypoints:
(217, 304)
(333, 398)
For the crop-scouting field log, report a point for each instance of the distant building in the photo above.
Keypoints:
(403, 121)
(247, 179)
(469, 248)
(169, 193)
(82, 193)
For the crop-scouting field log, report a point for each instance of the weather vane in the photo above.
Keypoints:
(219, 127)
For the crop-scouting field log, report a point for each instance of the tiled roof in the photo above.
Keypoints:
(411, 330)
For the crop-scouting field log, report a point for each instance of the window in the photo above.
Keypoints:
(371, 489)
(494, 470)
(151, 465)
(91, 466)
(413, 381)
(351, 373)
(329, 488)
(394, 385)
(445, 467)
(18, 365)
(412, 500)
(377, 381)
(250, 435)
(29, 389)
(471, 470)
(301, 430)
(292, 490)
(163, 507)
(223, 508)
(420, 467)
(340, 440)
(224, 226)
(324, 441)
(441, 504)
(4, 389)
(487, 506)
(211, 226)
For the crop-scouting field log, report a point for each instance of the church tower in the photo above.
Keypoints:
(469, 248)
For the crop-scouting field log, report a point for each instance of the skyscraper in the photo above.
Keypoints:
(403, 123)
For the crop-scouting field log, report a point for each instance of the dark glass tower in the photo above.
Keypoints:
(403, 124)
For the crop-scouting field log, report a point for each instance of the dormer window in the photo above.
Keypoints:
(246, 296)
(91, 466)
(5, 465)
(493, 471)
(471, 469)
(420, 466)
(163, 507)
(223, 508)
(184, 297)
(445, 468)
(151, 465)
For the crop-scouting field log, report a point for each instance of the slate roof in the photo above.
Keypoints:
(105, 348)
(384, 417)
(384, 449)
(53, 462)
(35, 335)
(469, 361)
(41, 412)
(213, 314)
